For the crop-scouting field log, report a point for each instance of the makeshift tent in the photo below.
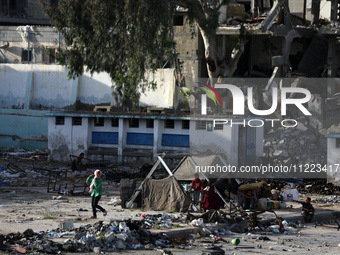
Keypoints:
(211, 166)
(164, 195)
(261, 188)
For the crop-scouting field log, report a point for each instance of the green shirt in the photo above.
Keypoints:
(97, 187)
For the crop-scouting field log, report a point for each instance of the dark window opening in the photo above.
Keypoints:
(149, 123)
(178, 20)
(77, 121)
(133, 123)
(24, 55)
(201, 125)
(99, 122)
(48, 56)
(337, 142)
(59, 120)
(218, 127)
(13, 5)
(169, 124)
(115, 122)
(185, 124)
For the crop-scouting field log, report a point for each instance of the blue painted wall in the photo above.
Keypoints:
(27, 129)
(105, 137)
(139, 139)
(175, 140)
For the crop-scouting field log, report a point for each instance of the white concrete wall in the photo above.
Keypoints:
(68, 139)
(325, 9)
(52, 88)
(176, 130)
(163, 96)
(216, 142)
(106, 128)
(333, 161)
(296, 6)
(65, 140)
(12, 86)
(95, 89)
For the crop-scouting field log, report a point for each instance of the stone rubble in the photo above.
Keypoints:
(297, 145)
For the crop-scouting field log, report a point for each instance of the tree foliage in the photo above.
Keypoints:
(126, 38)
(122, 38)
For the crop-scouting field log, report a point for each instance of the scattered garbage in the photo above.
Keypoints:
(115, 201)
(236, 241)
(197, 223)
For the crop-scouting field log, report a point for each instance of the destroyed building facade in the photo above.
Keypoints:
(296, 39)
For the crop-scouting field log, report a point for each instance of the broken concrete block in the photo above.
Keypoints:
(295, 133)
(270, 131)
(301, 127)
(120, 245)
(267, 144)
(278, 61)
(110, 236)
(97, 250)
(66, 225)
(115, 201)
(277, 153)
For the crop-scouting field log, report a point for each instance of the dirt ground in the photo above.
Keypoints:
(26, 204)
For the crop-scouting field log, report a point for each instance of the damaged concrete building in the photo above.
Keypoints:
(295, 39)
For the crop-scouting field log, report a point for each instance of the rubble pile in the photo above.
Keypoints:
(108, 237)
(161, 221)
(211, 216)
(319, 188)
(299, 145)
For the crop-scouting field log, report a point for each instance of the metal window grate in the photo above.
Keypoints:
(169, 124)
(115, 122)
(60, 120)
(218, 127)
(77, 121)
(24, 56)
(201, 125)
(99, 122)
(185, 124)
(133, 123)
(149, 123)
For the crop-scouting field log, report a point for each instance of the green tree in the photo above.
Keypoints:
(127, 38)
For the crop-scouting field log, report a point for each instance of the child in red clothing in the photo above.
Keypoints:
(197, 185)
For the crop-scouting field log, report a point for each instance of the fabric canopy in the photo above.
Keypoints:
(165, 195)
(210, 165)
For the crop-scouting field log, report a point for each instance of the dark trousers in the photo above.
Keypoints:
(95, 201)
(308, 216)
(197, 194)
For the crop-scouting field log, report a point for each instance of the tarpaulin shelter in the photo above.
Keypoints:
(165, 195)
(262, 188)
(205, 166)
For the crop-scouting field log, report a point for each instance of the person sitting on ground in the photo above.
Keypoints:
(197, 185)
(77, 164)
(248, 201)
(307, 209)
(211, 199)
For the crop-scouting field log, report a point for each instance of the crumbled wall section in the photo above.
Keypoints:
(39, 38)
